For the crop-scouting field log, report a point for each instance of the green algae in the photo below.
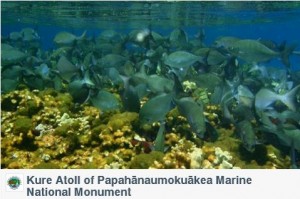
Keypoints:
(119, 120)
(46, 165)
(31, 108)
(22, 125)
(63, 129)
(89, 165)
(63, 101)
(66, 102)
(144, 161)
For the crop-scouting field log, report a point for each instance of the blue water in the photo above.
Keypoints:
(243, 20)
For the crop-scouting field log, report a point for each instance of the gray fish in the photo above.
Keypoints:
(12, 72)
(158, 84)
(290, 137)
(203, 52)
(105, 101)
(288, 134)
(110, 36)
(155, 109)
(57, 53)
(287, 115)
(79, 91)
(66, 69)
(265, 119)
(11, 56)
(114, 76)
(225, 42)
(6, 47)
(139, 77)
(111, 61)
(214, 57)
(139, 36)
(8, 85)
(28, 35)
(15, 36)
(242, 112)
(265, 98)
(178, 38)
(157, 38)
(207, 80)
(104, 48)
(43, 71)
(252, 51)
(262, 70)
(223, 95)
(131, 100)
(269, 43)
(180, 61)
(247, 134)
(230, 68)
(193, 112)
(67, 39)
(34, 82)
(244, 96)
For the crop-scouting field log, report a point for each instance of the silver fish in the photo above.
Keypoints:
(105, 101)
(252, 51)
(67, 39)
(225, 42)
(247, 134)
(265, 98)
(156, 109)
(28, 35)
(11, 56)
(244, 96)
(66, 69)
(193, 113)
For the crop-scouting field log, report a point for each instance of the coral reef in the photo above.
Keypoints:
(45, 129)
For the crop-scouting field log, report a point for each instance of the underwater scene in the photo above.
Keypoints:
(140, 85)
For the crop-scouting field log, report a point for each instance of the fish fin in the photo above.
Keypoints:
(178, 88)
(159, 143)
(82, 36)
(211, 134)
(130, 99)
(88, 97)
(289, 98)
(293, 157)
(285, 52)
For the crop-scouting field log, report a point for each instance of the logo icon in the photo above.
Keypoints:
(14, 182)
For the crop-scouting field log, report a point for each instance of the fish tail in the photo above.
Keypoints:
(82, 36)
(285, 52)
(289, 98)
